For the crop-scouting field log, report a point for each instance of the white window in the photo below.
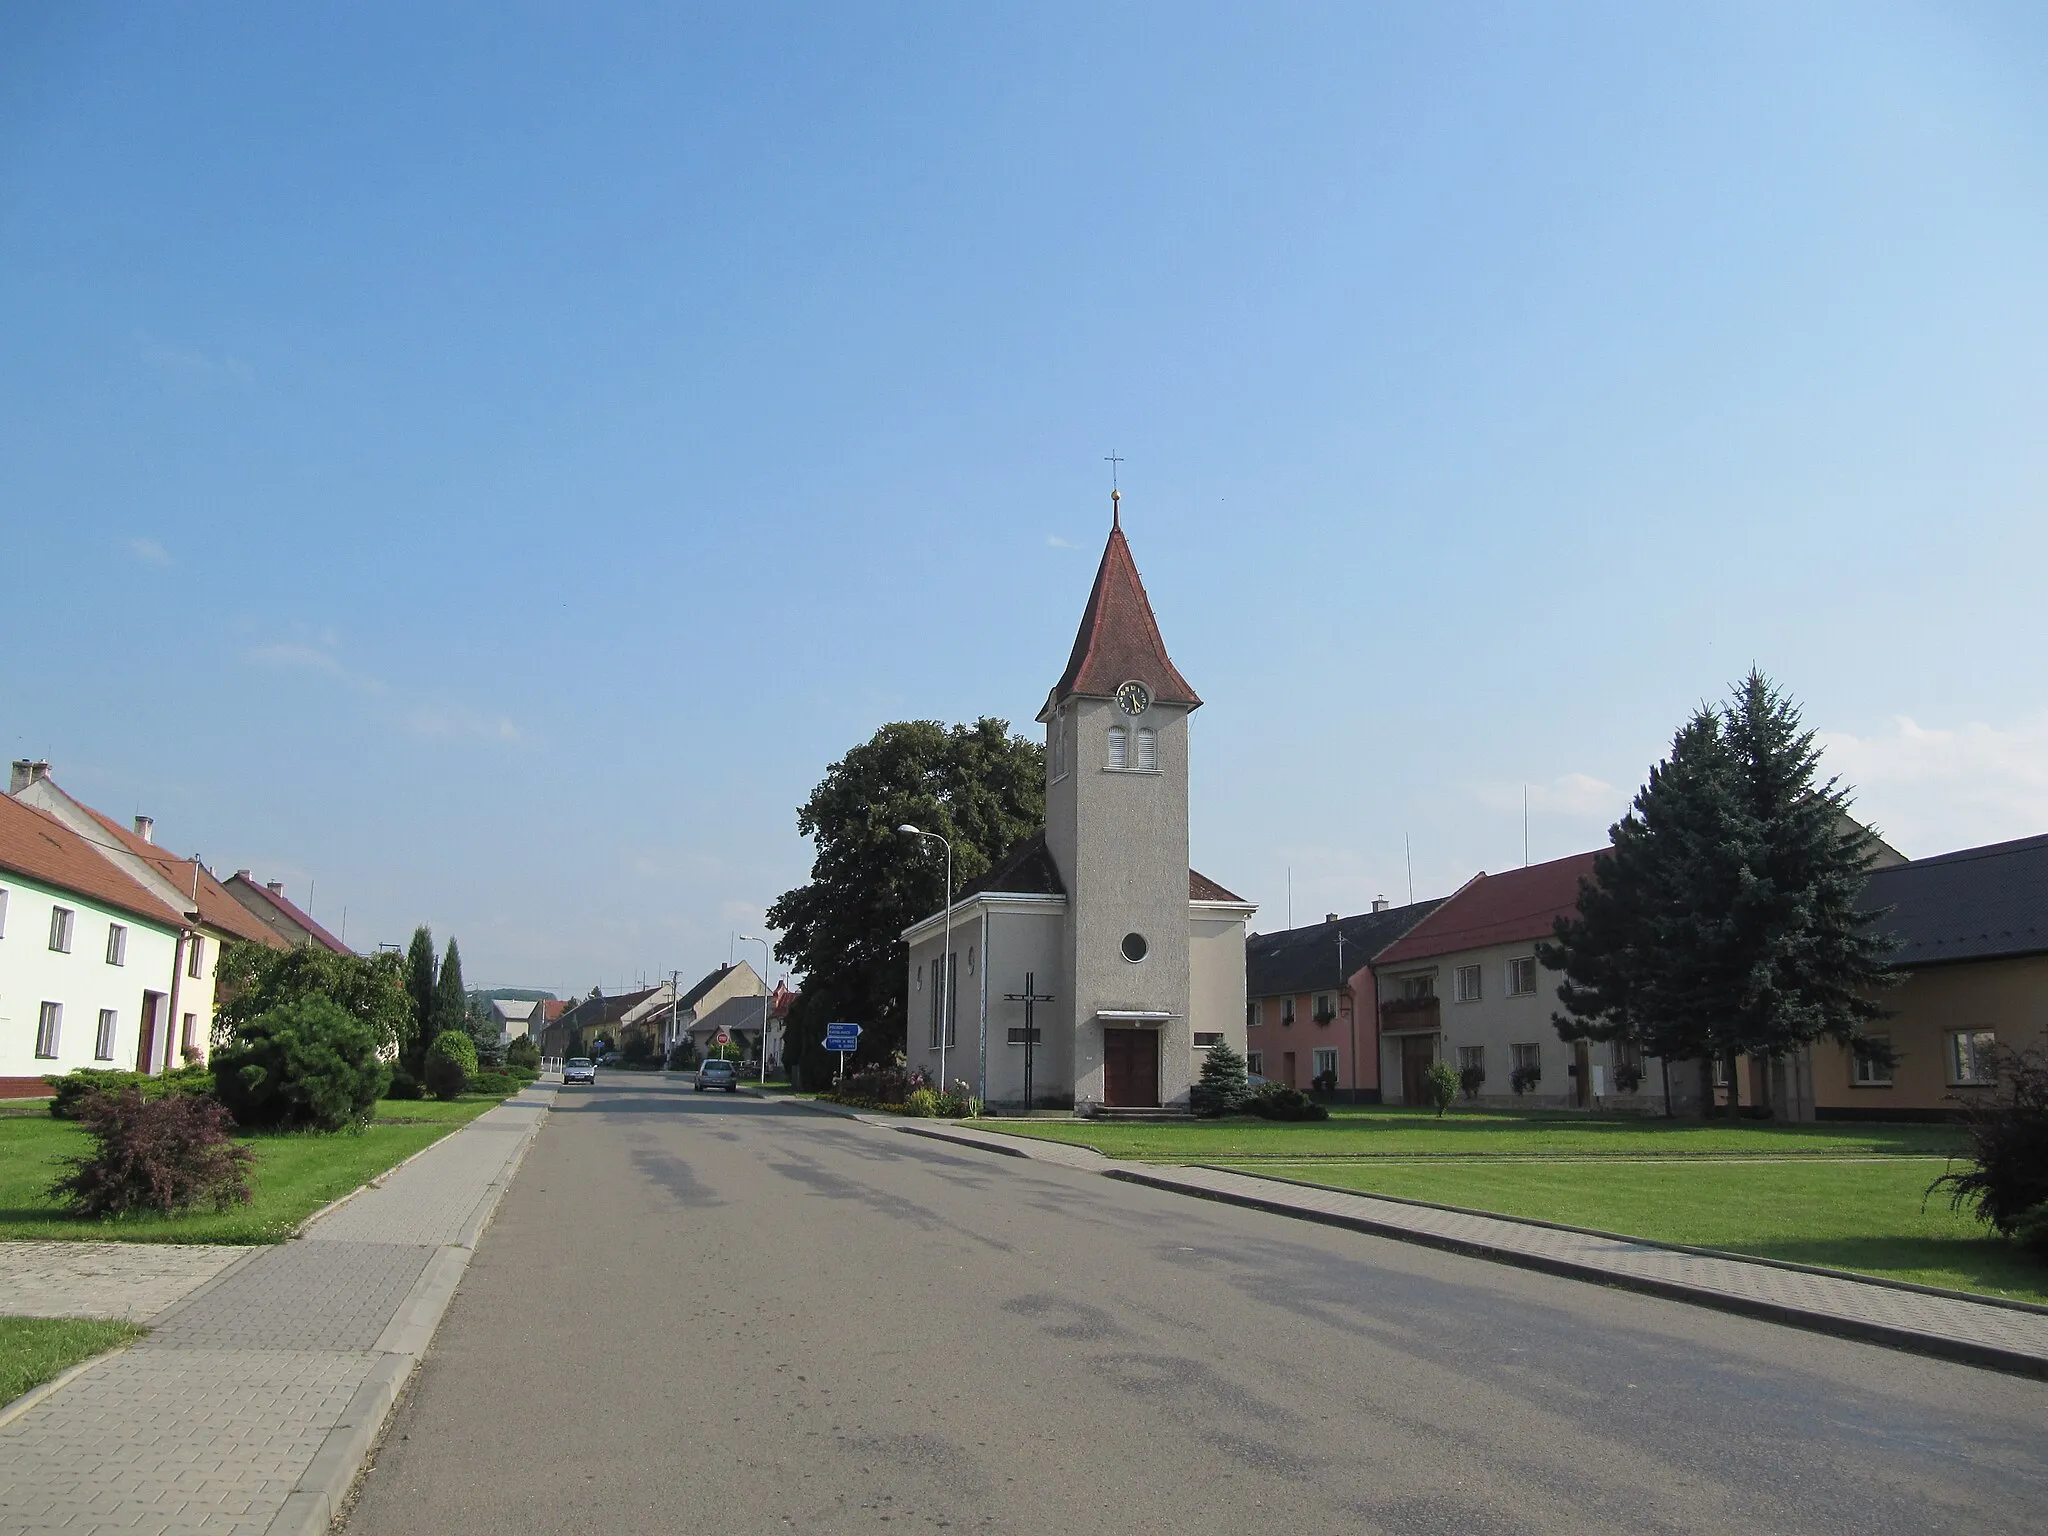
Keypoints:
(1119, 747)
(1865, 1073)
(60, 929)
(1148, 749)
(49, 1026)
(1255, 1063)
(1325, 1063)
(1468, 983)
(1208, 1039)
(1326, 1007)
(1527, 1058)
(188, 1037)
(1970, 1057)
(1018, 1032)
(1251, 1014)
(1472, 1058)
(195, 958)
(1522, 976)
(117, 944)
(103, 1042)
(3, 914)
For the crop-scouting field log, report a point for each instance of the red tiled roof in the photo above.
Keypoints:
(1506, 908)
(42, 848)
(321, 936)
(1202, 888)
(217, 907)
(1119, 638)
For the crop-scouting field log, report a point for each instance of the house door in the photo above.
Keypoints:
(1130, 1068)
(145, 1048)
(1418, 1052)
(1287, 1069)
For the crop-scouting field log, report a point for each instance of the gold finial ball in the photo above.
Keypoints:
(1116, 495)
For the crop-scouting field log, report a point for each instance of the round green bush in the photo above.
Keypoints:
(404, 1086)
(451, 1063)
(523, 1052)
(922, 1102)
(306, 1064)
(500, 1083)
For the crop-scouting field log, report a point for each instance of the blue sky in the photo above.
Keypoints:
(488, 461)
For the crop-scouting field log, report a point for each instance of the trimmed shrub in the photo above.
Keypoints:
(1470, 1079)
(500, 1083)
(168, 1153)
(306, 1064)
(921, 1102)
(523, 1053)
(2007, 1178)
(682, 1056)
(451, 1063)
(1522, 1079)
(1274, 1102)
(524, 1074)
(1440, 1084)
(71, 1090)
(1222, 1085)
(404, 1086)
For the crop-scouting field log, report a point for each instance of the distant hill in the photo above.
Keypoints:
(511, 994)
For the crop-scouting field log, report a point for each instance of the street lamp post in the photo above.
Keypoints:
(762, 1049)
(946, 965)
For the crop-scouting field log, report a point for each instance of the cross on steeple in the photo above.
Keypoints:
(1115, 496)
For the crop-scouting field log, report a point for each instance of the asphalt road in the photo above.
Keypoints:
(704, 1314)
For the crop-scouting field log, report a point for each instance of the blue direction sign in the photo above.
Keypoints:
(842, 1037)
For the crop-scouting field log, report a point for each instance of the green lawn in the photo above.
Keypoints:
(294, 1176)
(1389, 1131)
(33, 1350)
(1857, 1215)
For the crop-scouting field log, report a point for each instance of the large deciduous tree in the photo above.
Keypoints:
(1723, 919)
(977, 785)
(253, 980)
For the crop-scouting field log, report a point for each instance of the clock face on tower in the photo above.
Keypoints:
(1133, 698)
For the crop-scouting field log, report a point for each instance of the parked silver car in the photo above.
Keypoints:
(717, 1074)
(577, 1069)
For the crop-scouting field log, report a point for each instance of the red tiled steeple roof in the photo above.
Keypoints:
(1119, 639)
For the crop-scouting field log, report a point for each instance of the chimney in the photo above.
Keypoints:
(241, 874)
(145, 828)
(27, 771)
(1329, 917)
(275, 887)
(1379, 903)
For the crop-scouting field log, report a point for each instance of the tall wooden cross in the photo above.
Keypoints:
(1029, 997)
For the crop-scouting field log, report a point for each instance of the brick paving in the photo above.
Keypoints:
(129, 1282)
(2008, 1337)
(212, 1422)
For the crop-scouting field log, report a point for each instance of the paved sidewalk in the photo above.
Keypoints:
(2003, 1336)
(252, 1404)
(129, 1282)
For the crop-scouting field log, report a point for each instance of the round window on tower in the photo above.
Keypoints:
(1134, 947)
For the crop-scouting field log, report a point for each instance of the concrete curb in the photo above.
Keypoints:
(932, 1133)
(1939, 1346)
(322, 1491)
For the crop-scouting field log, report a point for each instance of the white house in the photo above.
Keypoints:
(89, 958)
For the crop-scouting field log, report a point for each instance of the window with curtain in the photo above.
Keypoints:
(1148, 749)
(1119, 747)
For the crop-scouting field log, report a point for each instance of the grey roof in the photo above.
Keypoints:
(733, 1013)
(1305, 959)
(690, 998)
(1027, 868)
(1975, 904)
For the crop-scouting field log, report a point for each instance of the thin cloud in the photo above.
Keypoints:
(148, 551)
(1579, 796)
(1054, 541)
(301, 656)
(432, 722)
(1935, 789)
(192, 365)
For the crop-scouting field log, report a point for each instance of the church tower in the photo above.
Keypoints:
(1116, 810)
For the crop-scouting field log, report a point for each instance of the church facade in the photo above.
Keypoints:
(1091, 967)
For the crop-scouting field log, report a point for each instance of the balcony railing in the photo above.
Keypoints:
(1411, 1013)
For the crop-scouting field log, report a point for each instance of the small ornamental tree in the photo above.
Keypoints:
(451, 1063)
(420, 973)
(1440, 1086)
(523, 1053)
(2007, 1180)
(304, 1065)
(165, 1154)
(1222, 1085)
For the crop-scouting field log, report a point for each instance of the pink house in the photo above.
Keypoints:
(1309, 1015)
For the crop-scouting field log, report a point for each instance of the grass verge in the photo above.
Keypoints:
(294, 1176)
(1392, 1131)
(34, 1350)
(1867, 1216)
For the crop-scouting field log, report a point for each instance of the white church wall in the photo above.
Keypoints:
(1216, 985)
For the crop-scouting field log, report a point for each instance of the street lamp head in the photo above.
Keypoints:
(909, 831)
